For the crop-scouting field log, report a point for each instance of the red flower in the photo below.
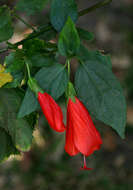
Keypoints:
(51, 111)
(81, 134)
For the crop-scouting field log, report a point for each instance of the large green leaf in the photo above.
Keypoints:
(69, 41)
(6, 29)
(19, 129)
(101, 93)
(53, 80)
(6, 145)
(20, 132)
(31, 6)
(85, 55)
(60, 10)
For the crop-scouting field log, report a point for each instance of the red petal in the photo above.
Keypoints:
(86, 138)
(51, 111)
(70, 146)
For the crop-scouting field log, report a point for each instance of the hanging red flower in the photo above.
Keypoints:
(81, 134)
(52, 112)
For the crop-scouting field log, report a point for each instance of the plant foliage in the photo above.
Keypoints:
(47, 52)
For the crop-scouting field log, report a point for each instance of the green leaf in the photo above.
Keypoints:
(69, 41)
(5, 16)
(60, 10)
(41, 60)
(31, 6)
(38, 46)
(14, 64)
(85, 55)
(21, 133)
(19, 129)
(34, 45)
(39, 52)
(53, 80)
(14, 61)
(85, 35)
(6, 33)
(102, 94)
(6, 146)
(6, 29)
(29, 104)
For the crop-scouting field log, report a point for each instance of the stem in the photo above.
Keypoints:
(68, 67)
(48, 26)
(4, 50)
(34, 35)
(24, 22)
(94, 7)
(28, 70)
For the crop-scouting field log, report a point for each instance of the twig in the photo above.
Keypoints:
(48, 26)
(23, 21)
(94, 7)
(4, 50)
(34, 35)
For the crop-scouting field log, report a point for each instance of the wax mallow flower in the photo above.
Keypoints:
(50, 108)
(52, 111)
(81, 134)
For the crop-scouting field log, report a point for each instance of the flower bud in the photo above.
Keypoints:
(52, 112)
